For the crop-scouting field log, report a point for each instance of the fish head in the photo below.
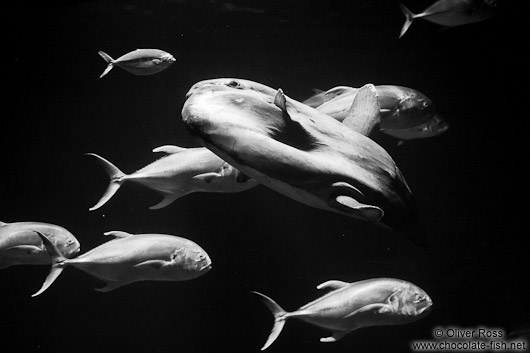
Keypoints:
(436, 126)
(65, 241)
(410, 302)
(167, 58)
(404, 107)
(217, 110)
(191, 261)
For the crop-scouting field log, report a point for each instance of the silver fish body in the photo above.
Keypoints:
(452, 13)
(302, 153)
(139, 62)
(350, 306)
(20, 245)
(180, 172)
(401, 107)
(435, 127)
(135, 257)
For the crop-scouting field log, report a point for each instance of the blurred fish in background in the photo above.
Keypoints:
(451, 13)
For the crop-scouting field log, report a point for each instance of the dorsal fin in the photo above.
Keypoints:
(363, 114)
(281, 102)
(169, 149)
(333, 284)
(118, 234)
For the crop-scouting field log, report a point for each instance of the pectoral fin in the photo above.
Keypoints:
(370, 308)
(333, 284)
(28, 249)
(169, 149)
(345, 198)
(337, 335)
(156, 264)
(208, 177)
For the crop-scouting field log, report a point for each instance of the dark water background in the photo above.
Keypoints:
(468, 183)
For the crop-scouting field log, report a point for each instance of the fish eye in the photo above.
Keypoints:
(233, 84)
(69, 242)
(418, 298)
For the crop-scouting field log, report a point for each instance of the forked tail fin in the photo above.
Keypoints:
(58, 263)
(109, 61)
(279, 319)
(409, 17)
(116, 180)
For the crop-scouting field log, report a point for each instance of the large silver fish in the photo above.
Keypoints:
(297, 151)
(133, 257)
(182, 171)
(351, 306)
(401, 107)
(139, 62)
(452, 13)
(20, 245)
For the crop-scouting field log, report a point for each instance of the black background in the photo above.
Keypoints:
(469, 184)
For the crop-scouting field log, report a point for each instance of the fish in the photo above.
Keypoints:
(130, 258)
(451, 13)
(298, 151)
(434, 127)
(401, 107)
(139, 62)
(180, 172)
(320, 97)
(351, 306)
(20, 245)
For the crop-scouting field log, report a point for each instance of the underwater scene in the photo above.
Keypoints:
(288, 176)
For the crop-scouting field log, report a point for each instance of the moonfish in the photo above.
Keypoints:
(20, 245)
(432, 128)
(182, 171)
(452, 13)
(131, 258)
(351, 306)
(401, 107)
(297, 151)
(139, 62)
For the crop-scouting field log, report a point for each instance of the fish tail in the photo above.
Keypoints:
(279, 319)
(58, 263)
(409, 17)
(109, 60)
(116, 180)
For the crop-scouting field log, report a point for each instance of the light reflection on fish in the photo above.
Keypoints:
(297, 150)
(133, 257)
(20, 245)
(139, 62)
(351, 306)
(452, 13)
(181, 172)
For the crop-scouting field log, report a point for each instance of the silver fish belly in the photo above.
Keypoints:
(350, 306)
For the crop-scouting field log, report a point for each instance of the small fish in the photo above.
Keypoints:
(140, 61)
(20, 245)
(451, 13)
(133, 257)
(351, 306)
(436, 126)
(182, 171)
